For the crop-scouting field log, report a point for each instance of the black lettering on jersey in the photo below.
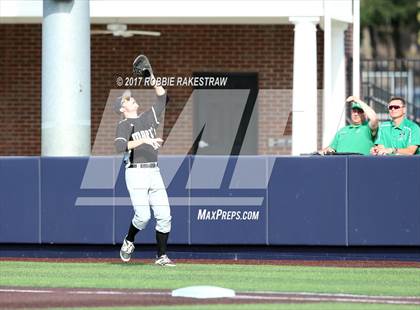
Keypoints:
(142, 134)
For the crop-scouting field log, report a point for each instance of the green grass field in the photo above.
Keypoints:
(362, 281)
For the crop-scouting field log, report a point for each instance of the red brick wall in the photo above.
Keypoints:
(320, 68)
(180, 51)
(20, 89)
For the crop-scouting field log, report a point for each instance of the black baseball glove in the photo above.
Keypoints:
(142, 67)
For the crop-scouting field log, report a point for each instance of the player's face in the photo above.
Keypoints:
(130, 104)
(357, 116)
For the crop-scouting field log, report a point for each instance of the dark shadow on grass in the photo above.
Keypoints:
(128, 265)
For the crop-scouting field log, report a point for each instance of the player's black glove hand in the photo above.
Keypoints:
(142, 67)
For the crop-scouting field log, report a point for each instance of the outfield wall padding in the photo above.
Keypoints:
(335, 200)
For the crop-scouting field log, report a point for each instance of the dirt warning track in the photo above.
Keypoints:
(289, 262)
(27, 297)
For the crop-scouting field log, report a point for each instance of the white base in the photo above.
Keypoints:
(203, 291)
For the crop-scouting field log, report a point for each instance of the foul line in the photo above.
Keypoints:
(331, 298)
(25, 291)
(329, 294)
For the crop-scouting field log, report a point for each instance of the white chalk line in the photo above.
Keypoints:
(25, 291)
(328, 294)
(116, 293)
(330, 299)
(82, 292)
(299, 296)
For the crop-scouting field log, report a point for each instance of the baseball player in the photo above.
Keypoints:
(136, 136)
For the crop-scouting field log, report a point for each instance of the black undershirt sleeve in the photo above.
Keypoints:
(160, 105)
(122, 137)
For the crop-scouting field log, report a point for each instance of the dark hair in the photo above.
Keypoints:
(398, 98)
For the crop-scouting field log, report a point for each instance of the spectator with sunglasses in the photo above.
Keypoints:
(359, 135)
(398, 136)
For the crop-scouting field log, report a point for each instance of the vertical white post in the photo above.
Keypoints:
(65, 78)
(334, 79)
(327, 121)
(304, 127)
(356, 47)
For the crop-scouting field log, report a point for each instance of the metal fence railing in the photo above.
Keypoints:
(382, 79)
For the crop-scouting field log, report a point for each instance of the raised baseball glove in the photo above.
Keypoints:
(142, 67)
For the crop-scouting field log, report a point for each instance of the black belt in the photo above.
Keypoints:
(143, 165)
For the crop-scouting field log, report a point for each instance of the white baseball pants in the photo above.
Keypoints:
(147, 190)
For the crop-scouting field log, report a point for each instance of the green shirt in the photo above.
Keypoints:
(400, 137)
(353, 139)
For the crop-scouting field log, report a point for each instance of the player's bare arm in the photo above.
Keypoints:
(370, 113)
(410, 150)
(381, 150)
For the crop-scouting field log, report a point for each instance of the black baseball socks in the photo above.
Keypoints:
(132, 232)
(161, 240)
